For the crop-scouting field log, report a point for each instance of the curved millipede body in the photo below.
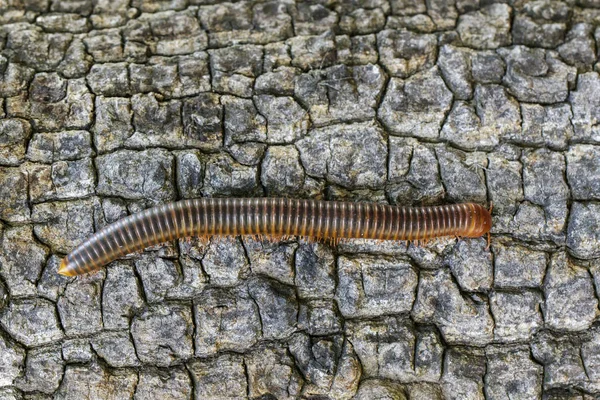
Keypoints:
(330, 220)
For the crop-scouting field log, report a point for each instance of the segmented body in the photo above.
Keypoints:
(275, 217)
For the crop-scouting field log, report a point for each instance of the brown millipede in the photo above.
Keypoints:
(329, 220)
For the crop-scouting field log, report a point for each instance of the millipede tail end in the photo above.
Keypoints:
(66, 268)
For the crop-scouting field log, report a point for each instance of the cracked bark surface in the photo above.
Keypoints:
(109, 107)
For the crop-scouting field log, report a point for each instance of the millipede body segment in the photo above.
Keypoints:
(275, 217)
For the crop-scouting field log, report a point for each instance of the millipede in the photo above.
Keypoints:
(273, 217)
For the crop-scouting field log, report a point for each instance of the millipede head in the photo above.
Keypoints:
(482, 221)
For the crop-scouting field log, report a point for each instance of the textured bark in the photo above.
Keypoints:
(109, 107)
